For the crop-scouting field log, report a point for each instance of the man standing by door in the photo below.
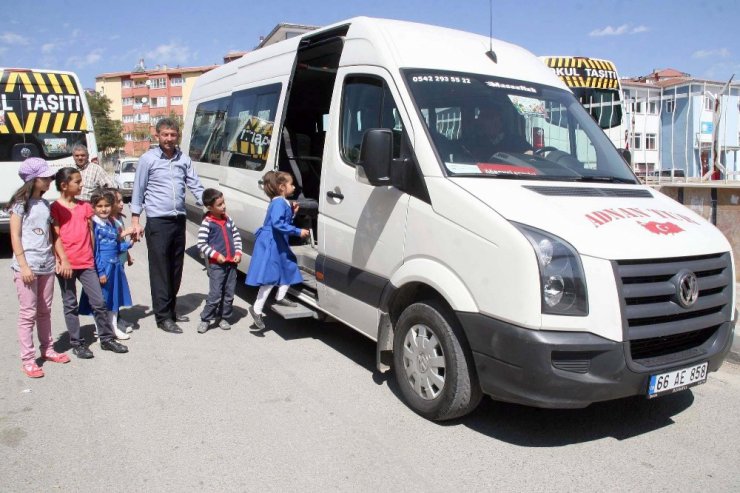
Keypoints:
(93, 175)
(162, 175)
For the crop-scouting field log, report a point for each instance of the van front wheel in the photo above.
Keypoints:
(434, 371)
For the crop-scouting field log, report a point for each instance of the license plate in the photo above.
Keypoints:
(677, 380)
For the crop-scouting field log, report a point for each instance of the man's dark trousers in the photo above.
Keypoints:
(165, 240)
(222, 284)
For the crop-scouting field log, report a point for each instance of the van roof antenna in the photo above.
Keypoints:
(491, 54)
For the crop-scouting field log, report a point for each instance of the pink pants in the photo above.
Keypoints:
(35, 308)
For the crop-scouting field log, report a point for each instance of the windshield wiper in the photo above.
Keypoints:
(604, 179)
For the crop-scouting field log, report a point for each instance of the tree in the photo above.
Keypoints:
(108, 133)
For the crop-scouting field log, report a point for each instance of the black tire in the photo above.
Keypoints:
(418, 371)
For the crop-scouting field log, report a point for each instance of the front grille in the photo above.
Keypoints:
(656, 322)
(661, 346)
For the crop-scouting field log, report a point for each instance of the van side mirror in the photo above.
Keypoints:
(376, 155)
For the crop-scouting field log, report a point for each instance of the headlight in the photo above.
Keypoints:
(563, 284)
(128, 184)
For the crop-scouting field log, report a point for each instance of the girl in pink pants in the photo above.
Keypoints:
(33, 264)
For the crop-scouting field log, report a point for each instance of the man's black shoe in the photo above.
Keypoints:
(82, 352)
(113, 345)
(286, 302)
(170, 326)
(182, 318)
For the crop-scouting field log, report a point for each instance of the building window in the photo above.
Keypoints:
(653, 108)
(128, 137)
(176, 81)
(159, 102)
(140, 83)
(127, 101)
(176, 100)
(637, 107)
(141, 118)
(637, 141)
(670, 105)
(708, 103)
(128, 118)
(127, 84)
(650, 142)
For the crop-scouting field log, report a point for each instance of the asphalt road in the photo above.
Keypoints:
(300, 407)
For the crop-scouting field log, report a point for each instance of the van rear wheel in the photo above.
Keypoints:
(433, 368)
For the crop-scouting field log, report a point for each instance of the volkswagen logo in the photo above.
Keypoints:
(25, 153)
(687, 289)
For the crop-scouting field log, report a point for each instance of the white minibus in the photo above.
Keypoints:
(482, 261)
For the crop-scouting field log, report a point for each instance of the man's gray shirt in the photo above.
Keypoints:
(159, 185)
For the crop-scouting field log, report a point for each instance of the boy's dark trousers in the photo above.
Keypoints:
(221, 287)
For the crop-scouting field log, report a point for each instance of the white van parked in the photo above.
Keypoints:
(456, 222)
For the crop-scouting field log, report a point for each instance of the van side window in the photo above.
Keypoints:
(367, 103)
(249, 126)
(208, 131)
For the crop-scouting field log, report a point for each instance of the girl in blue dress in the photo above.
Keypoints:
(273, 263)
(109, 243)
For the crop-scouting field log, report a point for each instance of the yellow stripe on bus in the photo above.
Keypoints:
(58, 123)
(72, 121)
(68, 83)
(26, 82)
(30, 120)
(10, 86)
(41, 82)
(14, 122)
(83, 123)
(44, 124)
(4, 129)
(55, 83)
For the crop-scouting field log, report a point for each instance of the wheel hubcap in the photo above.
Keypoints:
(424, 362)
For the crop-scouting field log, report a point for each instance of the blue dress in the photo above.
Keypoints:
(273, 263)
(108, 249)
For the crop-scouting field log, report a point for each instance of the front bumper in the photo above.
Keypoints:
(569, 369)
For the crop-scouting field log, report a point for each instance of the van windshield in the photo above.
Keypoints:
(487, 126)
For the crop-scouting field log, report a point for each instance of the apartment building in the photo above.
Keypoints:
(672, 124)
(141, 97)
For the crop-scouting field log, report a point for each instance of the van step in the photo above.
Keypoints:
(290, 312)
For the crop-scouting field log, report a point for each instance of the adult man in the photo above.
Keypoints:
(93, 175)
(490, 135)
(162, 175)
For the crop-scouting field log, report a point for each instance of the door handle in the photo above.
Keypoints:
(335, 195)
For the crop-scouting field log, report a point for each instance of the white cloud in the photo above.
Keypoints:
(13, 39)
(168, 54)
(47, 48)
(718, 53)
(618, 31)
(85, 60)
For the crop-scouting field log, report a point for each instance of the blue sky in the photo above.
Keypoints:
(699, 37)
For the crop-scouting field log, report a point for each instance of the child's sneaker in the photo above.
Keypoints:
(33, 370)
(203, 327)
(53, 356)
(121, 335)
(224, 325)
(257, 317)
(82, 352)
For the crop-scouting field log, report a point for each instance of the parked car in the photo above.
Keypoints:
(123, 175)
